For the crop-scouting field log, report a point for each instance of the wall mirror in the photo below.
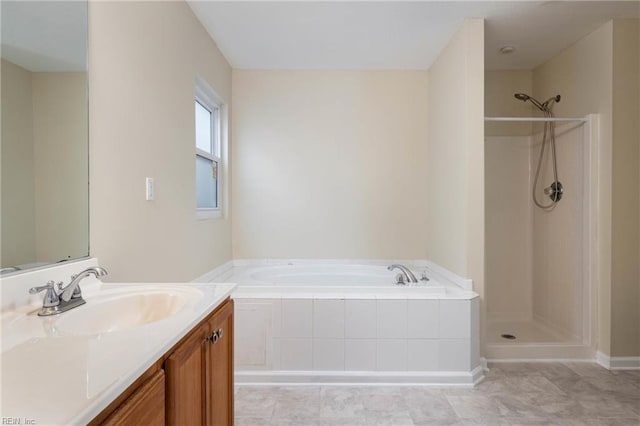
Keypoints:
(44, 210)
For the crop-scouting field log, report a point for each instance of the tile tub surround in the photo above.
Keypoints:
(313, 339)
(512, 393)
(344, 321)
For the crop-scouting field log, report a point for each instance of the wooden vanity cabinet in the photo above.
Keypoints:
(186, 379)
(144, 407)
(219, 361)
(200, 374)
(191, 385)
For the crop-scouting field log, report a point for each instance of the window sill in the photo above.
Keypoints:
(205, 214)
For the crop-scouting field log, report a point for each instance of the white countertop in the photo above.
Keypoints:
(53, 376)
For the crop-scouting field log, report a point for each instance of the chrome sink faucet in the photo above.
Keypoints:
(72, 291)
(58, 299)
(405, 274)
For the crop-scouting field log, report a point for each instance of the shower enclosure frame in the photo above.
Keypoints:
(596, 230)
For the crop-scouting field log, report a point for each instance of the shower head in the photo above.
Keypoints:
(524, 98)
(544, 107)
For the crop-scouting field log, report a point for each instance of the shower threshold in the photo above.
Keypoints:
(533, 341)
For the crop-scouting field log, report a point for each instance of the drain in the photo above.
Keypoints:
(508, 336)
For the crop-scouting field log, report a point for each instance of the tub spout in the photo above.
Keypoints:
(406, 271)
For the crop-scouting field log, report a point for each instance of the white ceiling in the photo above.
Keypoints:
(394, 34)
(45, 36)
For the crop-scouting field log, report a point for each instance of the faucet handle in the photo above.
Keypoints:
(51, 297)
(47, 286)
(400, 279)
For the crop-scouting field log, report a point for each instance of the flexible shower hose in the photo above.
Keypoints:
(549, 130)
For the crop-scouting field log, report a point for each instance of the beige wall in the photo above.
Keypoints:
(18, 202)
(508, 216)
(558, 235)
(600, 74)
(143, 61)
(508, 208)
(455, 158)
(329, 164)
(582, 74)
(625, 255)
(60, 135)
(499, 88)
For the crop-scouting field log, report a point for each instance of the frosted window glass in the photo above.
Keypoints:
(206, 183)
(203, 128)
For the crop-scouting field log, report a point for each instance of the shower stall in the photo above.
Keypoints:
(539, 228)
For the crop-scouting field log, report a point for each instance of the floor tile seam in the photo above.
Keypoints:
(426, 419)
(506, 412)
(321, 417)
(441, 398)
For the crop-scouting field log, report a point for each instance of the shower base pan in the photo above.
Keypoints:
(532, 341)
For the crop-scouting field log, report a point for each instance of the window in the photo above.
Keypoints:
(208, 123)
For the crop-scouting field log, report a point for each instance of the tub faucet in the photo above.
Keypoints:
(406, 271)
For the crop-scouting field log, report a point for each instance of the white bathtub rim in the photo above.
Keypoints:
(302, 261)
(216, 273)
(314, 275)
(439, 274)
(444, 275)
(279, 292)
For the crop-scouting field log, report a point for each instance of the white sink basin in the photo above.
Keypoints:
(125, 310)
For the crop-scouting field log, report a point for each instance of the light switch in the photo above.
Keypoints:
(150, 188)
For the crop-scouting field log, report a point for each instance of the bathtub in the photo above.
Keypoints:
(327, 275)
(346, 323)
(346, 280)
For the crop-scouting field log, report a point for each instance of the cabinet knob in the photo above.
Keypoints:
(216, 335)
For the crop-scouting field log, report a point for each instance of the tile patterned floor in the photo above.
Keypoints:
(511, 394)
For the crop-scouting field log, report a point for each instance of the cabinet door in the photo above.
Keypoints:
(144, 407)
(220, 367)
(186, 387)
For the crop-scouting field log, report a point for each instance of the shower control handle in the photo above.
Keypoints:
(554, 191)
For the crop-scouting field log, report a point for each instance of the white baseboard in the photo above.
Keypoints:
(346, 378)
(618, 362)
(539, 360)
(484, 364)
